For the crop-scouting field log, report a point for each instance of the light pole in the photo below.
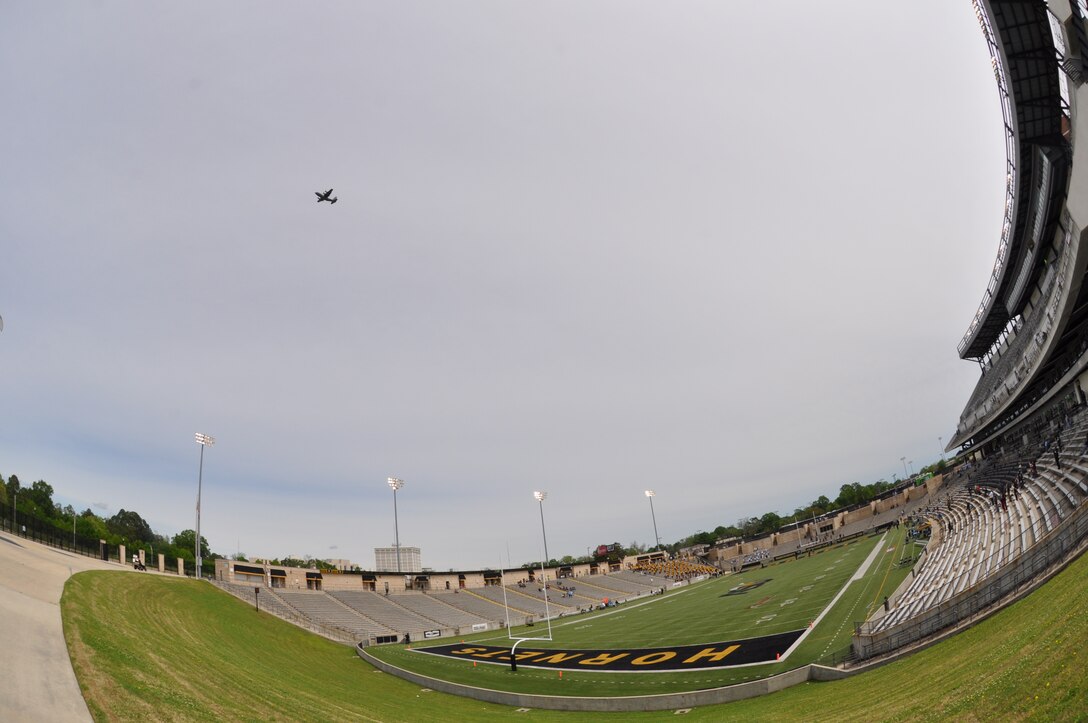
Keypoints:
(396, 484)
(203, 440)
(540, 497)
(940, 443)
(651, 494)
(911, 463)
(904, 461)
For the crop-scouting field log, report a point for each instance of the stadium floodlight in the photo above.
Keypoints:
(911, 463)
(396, 484)
(204, 440)
(904, 461)
(651, 494)
(540, 497)
(940, 443)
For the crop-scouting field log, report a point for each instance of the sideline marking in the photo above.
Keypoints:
(857, 576)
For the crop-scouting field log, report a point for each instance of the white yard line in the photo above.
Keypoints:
(860, 573)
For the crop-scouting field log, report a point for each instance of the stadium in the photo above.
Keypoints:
(885, 610)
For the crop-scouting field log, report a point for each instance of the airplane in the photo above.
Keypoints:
(325, 196)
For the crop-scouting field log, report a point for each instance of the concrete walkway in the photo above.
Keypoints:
(37, 682)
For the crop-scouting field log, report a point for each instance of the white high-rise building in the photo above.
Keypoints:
(385, 559)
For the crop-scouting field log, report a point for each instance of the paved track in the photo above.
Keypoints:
(36, 681)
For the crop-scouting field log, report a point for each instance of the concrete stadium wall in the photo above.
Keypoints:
(857, 515)
(784, 538)
(331, 581)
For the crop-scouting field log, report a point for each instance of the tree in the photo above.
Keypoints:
(130, 526)
(91, 526)
(186, 541)
(41, 493)
(749, 527)
(850, 494)
(4, 499)
(13, 487)
(770, 522)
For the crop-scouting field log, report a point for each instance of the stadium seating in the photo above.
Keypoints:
(472, 604)
(382, 608)
(528, 601)
(673, 569)
(432, 607)
(977, 533)
(329, 611)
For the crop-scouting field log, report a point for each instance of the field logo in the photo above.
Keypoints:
(766, 649)
(746, 586)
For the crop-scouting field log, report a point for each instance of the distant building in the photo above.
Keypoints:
(341, 565)
(385, 559)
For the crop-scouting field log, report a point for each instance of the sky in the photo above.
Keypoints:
(720, 250)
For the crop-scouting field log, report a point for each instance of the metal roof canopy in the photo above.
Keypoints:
(1031, 60)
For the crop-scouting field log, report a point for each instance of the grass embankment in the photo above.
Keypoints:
(153, 648)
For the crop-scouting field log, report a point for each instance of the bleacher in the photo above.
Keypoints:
(524, 601)
(614, 586)
(263, 600)
(329, 611)
(433, 607)
(672, 569)
(384, 609)
(568, 592)
(472, 604)
(1002, 510)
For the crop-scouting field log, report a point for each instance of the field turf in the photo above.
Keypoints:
(788, 596)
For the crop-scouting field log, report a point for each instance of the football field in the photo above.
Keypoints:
(795, 612)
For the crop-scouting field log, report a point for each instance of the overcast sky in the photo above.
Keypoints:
(723, 250)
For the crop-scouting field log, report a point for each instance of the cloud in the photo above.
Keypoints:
(585, 248)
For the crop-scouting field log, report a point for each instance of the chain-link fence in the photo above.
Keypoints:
(47, 532)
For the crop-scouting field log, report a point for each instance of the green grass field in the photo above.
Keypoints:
(147, 647)
(791, 595)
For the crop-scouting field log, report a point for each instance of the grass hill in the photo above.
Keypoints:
(146, 647)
